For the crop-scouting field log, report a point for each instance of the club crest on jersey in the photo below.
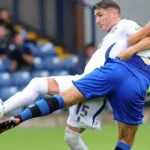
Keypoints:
(99, 46)
(113, 30)
(137, 28)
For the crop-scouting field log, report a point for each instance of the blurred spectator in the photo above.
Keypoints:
(4, 41)
(20, 55)
(4, 16)
(84, 57)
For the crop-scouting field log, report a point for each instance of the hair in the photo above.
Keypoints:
(105, 4)
(2, 23)
(15, 34)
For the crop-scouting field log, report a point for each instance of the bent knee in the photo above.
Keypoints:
(35, 82)
(53, 87)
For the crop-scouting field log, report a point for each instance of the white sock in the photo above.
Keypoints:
(36, 87)
(74, 140)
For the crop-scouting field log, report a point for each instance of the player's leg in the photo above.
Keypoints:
(100, 82)
(36, 87)
(128, 104)
(55, 85)
(72, 135)
(25, 97)
(83, 116)
(73, 138)
(39, 86)
(127, 133)
(126, 136)
(73, 131)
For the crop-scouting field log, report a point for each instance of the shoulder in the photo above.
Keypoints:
(130, 23)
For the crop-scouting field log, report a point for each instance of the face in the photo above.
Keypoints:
(18, 40)
(3, 31)
(105, 18)
(4, 14)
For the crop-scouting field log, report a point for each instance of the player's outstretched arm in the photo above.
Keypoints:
(141, 34)
(139, 47)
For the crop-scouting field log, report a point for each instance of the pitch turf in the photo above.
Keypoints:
(52, 139)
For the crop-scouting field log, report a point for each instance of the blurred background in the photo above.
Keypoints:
(41, 38)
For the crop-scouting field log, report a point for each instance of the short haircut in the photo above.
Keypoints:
(105, 4)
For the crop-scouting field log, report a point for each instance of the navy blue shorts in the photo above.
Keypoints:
(124, 91)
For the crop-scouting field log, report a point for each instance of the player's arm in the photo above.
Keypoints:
(139, 47)
(141, 34)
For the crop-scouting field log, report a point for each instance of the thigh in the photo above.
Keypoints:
(96, 84)
(65, 82)
(102, 81)
(87, 114)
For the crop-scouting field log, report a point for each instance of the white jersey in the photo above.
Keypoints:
(117, 38)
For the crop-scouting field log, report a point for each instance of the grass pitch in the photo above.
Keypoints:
(52, 139)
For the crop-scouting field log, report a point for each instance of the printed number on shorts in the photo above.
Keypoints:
(82, 109)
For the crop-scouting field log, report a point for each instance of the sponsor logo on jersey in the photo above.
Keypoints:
(113, 30)
(137, 28)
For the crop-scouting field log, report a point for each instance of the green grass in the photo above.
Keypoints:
(52, 139)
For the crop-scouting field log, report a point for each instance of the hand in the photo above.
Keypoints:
(125, 55)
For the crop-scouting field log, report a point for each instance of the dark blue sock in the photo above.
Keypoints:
(42, 107)
(122, 146)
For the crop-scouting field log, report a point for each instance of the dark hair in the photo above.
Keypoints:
(2, 23)
(15, 34)
(105, 4)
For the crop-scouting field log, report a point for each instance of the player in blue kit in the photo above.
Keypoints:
(104, 81)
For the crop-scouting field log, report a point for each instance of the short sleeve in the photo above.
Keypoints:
(131, 27)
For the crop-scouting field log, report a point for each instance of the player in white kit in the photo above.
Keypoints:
(84, 115)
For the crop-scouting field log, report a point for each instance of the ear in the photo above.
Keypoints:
(114, 13)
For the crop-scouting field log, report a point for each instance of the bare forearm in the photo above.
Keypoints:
(140, 46)
(141, 34)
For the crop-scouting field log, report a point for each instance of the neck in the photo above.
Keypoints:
(115, 22)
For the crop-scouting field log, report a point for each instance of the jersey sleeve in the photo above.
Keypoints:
(131, 27)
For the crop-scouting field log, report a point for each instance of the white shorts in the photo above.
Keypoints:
(82, 115)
